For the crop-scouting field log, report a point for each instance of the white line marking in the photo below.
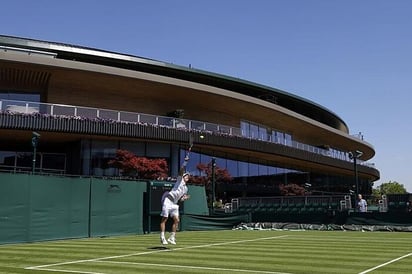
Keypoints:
(381, 265)
(145, 253)
(197, 267)
(66, 271)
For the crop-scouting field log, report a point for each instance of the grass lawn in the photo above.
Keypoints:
(229, 251)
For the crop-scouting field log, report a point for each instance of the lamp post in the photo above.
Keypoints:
(213, 183)
(34, 142)
(355, 155)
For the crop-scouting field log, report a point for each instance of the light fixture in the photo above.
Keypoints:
(34, 142)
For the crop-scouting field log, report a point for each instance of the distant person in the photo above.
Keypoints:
(362, 204)
(170, 204)
(219, 204)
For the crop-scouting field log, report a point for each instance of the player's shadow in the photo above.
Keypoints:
(158, 248)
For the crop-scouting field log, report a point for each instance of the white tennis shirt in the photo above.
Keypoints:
(178, 190)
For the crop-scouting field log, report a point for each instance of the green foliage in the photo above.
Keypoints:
(376, 194)
(389, 188)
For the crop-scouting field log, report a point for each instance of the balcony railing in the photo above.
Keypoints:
(14, 106)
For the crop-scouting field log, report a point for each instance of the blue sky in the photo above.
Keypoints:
(353, 57)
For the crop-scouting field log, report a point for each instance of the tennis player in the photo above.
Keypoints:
(170, 204)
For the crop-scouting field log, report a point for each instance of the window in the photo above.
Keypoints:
(20, 96)
(244, 126)
(232, 167)
(25, 160)
(7, 159)
(254, 131)
(263, 134)
(53, 162)
(102, 152)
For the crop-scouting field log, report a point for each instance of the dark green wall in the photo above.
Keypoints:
(116, 207)
(36, 208)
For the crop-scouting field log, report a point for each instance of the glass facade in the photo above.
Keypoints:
(251, 179)
(23, 162)
(263, 133)
(19, 96)
(7, 160)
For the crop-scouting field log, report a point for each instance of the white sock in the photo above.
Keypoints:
(172, 235)
(162, 234)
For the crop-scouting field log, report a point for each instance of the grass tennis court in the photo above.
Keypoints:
(229, 251)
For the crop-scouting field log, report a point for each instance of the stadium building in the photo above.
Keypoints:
(87, 103)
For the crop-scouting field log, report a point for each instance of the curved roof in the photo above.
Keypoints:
(284, 99)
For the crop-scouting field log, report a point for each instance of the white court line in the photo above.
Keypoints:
(198, 267)
(66, 271)
(46, 267)
(381, 265)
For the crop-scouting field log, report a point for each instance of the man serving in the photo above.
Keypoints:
(170, 204)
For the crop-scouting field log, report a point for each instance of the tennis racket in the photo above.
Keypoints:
(189, 149)
(190, 142)
(190, 146)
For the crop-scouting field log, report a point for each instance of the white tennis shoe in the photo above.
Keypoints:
(172, 240)
(163, 241)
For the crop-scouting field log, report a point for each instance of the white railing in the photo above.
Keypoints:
(78, 112)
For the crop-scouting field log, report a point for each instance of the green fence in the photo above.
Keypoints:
(36, 208)
(116, 207)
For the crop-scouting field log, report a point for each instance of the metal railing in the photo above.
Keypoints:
(78, 112)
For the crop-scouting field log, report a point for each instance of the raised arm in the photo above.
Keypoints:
(183, 166)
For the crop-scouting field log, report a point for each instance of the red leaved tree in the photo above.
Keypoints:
(140, 167)
(221, 175)
(292, 190)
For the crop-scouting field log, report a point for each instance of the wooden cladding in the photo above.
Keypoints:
(23, 79)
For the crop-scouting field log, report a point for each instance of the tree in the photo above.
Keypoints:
(221, 175)
(389, 188)
(140, 167)
(292, 190)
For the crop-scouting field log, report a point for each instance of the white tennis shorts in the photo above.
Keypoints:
(169, 209)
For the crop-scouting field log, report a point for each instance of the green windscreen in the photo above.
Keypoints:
(36, 208)
(116, 207)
